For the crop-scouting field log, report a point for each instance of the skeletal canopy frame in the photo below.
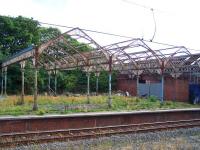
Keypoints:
(137, 55)
(134, 56)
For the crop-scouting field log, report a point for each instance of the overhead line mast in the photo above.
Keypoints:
(148, 8)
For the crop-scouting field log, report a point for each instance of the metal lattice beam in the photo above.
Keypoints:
(131, 56)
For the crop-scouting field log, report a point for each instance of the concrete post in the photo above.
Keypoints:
(88, 87)
(5, 86)
(2, 76)
(22, 71)
(35, 106)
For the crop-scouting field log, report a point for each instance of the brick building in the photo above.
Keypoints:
(174, 89)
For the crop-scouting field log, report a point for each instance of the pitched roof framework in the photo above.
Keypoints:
(133, 56)
(138, 55)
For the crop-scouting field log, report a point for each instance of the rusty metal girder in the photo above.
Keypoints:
(128, 56)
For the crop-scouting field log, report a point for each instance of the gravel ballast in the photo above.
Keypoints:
(183, 139)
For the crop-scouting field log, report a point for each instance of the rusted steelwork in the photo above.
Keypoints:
(133, 57)
(127, 56)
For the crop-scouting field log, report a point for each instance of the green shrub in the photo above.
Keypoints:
(152, 99)
(41, 112)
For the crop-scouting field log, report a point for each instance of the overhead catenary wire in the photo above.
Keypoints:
(144, 6)
(154, 19)
(110, 34)
(155, 27)
(147, 8)
(94, 31)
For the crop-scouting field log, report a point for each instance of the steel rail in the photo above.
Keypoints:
(17, 139)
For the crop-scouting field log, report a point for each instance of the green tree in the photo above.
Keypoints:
(46, 34)
(17, 33)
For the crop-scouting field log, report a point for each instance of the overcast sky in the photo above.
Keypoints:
(178, 21)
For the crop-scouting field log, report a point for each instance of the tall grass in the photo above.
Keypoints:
(56, 105)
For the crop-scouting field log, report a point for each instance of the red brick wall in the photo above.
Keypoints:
(90, 120)
(178, 90)
(125, 84)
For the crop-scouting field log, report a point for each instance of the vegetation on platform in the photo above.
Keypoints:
(72, 104)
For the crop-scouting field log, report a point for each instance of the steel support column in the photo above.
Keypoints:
(49, 82)
(110, 90)
(175, 88)
(2, 76)
(88, 87)
(22, 64)
(35, 63)
(97, 82)
(109, 83)
(162, 81)
(137, 86)
(55, 82)
(35, 106)
(162, 85)
(5, 78)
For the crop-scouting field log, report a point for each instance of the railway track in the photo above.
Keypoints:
(17, 139)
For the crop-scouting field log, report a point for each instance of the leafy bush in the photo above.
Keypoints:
(152, 99)
(41, 112)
